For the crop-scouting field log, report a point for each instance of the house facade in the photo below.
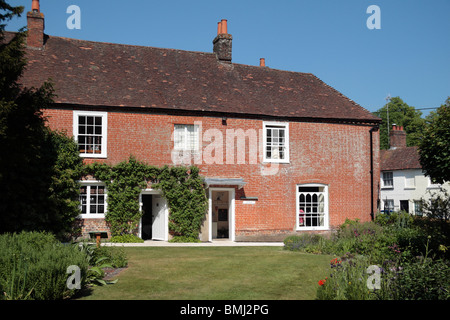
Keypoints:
(280, 152)
(402, 182)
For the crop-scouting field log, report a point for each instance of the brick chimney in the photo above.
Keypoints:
(35, 25)
(222, 42)
(397, 137)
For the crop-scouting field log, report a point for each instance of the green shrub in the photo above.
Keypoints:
(347, 280)
(302, 242)
(115, 256)
(34, 266)
(126, 238)
(184, 239)
(423, 279)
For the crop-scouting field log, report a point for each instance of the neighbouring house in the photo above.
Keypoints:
(281, 152)
(403, 183)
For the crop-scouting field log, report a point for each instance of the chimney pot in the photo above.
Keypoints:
(262, 62)
(224, 27)
(35, 6)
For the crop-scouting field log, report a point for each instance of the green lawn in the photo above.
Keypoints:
(219, 273)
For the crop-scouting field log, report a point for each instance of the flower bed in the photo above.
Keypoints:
(393, 259)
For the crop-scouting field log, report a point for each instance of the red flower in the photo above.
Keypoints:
(322, 282)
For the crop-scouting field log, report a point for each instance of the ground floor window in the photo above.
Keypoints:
(388, 205)
(418, 208)
(92, 200)
(312, 206)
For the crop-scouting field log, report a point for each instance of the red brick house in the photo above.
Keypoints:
(281, 152)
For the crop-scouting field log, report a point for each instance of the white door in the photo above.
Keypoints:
(158, 217)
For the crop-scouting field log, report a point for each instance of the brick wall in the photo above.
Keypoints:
(337, 155)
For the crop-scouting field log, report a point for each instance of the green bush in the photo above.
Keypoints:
(126, 238)
(347, 280)
(307, 242)
(409, 264)
(422, 279)
(34, 266)
(115, 256)
(184, 239)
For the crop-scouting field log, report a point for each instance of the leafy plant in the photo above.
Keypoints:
(126, 238)
(33, 265)
(95, 273)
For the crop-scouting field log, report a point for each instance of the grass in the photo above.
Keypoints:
(216, 273)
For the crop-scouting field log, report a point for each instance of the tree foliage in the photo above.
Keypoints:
(38, 167)
(434, 148)
(404, 115)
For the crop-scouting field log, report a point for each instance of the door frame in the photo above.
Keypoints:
(166, 211)
(231, 211)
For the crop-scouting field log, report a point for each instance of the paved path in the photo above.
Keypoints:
(215, 243)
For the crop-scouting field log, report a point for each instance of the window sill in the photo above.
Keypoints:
(410, 188)
(387, 188)
(91, 216)
(93, 156)
(313, 229)
(276, 161)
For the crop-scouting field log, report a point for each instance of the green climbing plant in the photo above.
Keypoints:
(181, 186)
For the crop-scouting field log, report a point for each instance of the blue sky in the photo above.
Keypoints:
(408, 57)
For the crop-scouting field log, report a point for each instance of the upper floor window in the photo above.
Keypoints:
(276, 142)
(90, 131)
(186, 137)
(388, 179)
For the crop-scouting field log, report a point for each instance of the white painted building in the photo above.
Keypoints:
(403, 183)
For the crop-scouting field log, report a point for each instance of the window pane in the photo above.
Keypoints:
(275, 142)
(89, 135)
(311, 207)
(186, 137)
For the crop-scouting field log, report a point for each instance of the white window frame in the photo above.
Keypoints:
(325, 212)
(187, 146)
(88, 185)
(383, 179)
(280, 125)
(104, 135)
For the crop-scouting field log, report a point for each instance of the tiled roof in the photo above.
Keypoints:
(105, 74)
(399, 159)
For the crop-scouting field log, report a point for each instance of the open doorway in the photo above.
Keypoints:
(154, 217)
(221, 213)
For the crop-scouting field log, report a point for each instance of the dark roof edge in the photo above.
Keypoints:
(186, 112)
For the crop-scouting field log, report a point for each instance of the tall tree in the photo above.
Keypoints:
(404, 115)
(434, 148)
(33, 160)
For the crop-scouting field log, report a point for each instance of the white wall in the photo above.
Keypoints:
(411, 185)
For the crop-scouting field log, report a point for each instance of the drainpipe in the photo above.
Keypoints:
(372, 130)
